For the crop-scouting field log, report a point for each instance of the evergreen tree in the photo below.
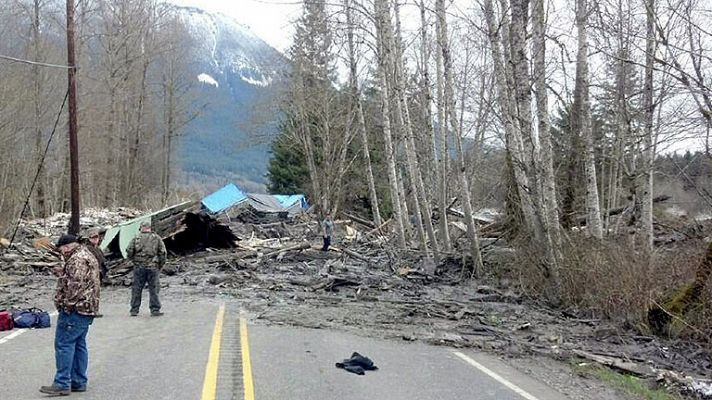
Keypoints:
(287, 171)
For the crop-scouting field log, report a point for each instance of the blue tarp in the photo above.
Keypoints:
(224, 198)
(288, 200)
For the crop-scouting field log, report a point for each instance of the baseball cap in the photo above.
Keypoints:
(66, 239)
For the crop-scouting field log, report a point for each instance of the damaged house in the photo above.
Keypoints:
(235, 205)
(184, 227)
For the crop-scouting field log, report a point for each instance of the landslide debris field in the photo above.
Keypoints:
(363, 285)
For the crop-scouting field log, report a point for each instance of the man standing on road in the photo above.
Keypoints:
(148, 254)
(328, 227)
(77, 301)
(92, 243)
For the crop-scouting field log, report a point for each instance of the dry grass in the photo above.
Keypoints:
(610, 279)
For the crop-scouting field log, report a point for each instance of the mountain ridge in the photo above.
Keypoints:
(238, 75)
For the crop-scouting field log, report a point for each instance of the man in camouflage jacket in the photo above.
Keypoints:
(148, 254)
(77, 301)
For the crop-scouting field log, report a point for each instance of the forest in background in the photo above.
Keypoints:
(135, 98)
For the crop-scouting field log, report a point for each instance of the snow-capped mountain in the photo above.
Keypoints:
(232, 48)
(238, 74)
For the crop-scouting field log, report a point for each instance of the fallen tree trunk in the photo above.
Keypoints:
(636, 369)
(379, 229)
(360, 220)
(300, 246)
(676, 306)
(350, 253)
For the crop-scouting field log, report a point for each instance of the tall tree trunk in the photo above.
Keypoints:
(648, 148)
(133, 186)
(551, 226)
(405, 211)
(169, 100)
(522, 89)
(311, 166)
(39, 145)
(581, 119)
(442, 144)
(430, 148)
(449, 96)
(383, 17)
(507, 104)
(109, 172)
(422, 210)
(360, 118)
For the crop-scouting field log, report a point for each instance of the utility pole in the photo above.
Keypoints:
(73, 143)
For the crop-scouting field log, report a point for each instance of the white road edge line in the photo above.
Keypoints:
(495, 376)
(21, 331)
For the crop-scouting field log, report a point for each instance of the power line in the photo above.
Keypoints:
(39, 168)
(20, 60)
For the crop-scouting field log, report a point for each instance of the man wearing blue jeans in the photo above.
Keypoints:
(77, 302)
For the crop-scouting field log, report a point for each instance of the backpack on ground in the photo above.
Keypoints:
(32, 318)
(6, 322)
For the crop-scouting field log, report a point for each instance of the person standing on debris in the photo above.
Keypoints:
(77, 301)
(328, 226)
(148, 255)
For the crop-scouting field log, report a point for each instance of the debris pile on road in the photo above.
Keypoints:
(364, 285)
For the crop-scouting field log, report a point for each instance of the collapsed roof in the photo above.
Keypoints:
(183, 227)
(230, 196)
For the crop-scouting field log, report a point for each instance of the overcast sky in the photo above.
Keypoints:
(269, 19)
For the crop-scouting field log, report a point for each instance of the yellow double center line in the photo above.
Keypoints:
(210, 383)
(246, 364)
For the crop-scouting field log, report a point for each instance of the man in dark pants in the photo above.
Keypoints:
(148, 254)
(77, 301)
(328, 229)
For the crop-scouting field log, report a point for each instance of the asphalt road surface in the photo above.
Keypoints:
(207, 351)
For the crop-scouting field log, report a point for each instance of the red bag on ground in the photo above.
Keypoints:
(6, 322)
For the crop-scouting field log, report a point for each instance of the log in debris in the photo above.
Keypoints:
(300, 246)
(695, 385)
(350, 253)
(644, 371)
(360, 220)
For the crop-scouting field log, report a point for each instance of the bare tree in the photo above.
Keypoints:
(648, 151)
(581, 121)
(545, 170)
(465, 194)
(383, 22)
(360, 118)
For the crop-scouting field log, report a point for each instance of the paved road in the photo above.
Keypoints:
(198, 351)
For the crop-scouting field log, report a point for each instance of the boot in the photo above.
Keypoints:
(55, 390)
